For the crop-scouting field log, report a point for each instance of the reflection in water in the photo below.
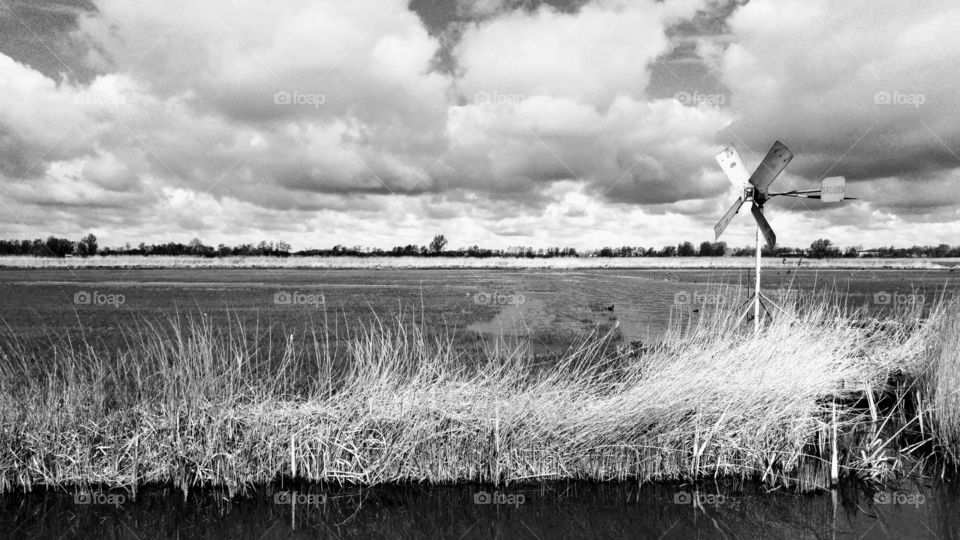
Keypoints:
(557, 510)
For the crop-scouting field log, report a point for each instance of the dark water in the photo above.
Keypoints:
(568, 510)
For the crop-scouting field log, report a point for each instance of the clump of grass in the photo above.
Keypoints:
(189, 403)
(940, 378)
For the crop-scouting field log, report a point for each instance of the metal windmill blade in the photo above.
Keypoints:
(770, 168)
(732, 165)
(736, 172)
(765, 227)
(727, 218)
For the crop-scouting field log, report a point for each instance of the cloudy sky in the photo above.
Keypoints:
(497, 122)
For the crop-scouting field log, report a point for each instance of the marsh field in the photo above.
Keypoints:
(471, 401)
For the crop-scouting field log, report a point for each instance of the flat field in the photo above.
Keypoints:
(550, 306)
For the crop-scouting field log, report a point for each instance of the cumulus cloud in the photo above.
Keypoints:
(554, 95)
(859, 88)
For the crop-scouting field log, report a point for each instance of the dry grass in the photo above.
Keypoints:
(193, 404)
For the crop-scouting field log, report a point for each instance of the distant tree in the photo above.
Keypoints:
(58, 247)
(823, 248)
(87, 246)
(437, 244)
(712, 249)
(686, 249)
(668, 251)
(196, 246)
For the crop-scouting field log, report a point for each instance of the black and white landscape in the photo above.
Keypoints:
(452, 268)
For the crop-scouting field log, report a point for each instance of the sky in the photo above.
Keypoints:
(495, 122)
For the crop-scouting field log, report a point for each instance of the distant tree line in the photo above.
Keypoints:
(51, 247)
(820, 249)
(198, 249)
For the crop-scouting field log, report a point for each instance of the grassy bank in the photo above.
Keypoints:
(187, 403)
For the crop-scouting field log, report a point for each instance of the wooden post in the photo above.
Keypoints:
(293, 457)
(834, 460)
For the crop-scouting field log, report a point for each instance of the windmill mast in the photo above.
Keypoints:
(756, 286)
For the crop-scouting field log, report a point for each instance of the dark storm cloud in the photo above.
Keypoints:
(37, 33)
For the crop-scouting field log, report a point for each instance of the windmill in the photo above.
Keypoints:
(754, 188)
